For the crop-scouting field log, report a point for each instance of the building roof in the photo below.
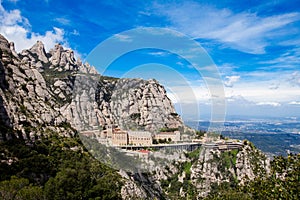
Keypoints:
(144, 151)
(166, 133)
(119, 132)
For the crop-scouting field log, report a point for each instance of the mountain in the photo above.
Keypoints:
(48, 90)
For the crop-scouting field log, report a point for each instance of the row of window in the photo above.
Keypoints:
(139, 138)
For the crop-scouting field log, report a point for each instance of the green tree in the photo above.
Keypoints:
(30, 193)
(10, 188)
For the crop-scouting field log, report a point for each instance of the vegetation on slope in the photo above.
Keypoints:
(54, 167)
(183, 189)
(282, 183)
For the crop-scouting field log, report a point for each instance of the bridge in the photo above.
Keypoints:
(224, 146)
(176, 146)
(188, 146)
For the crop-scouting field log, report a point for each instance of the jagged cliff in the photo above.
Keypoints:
(199, 173)
(48, 90)
(236, 166)
(26, 101)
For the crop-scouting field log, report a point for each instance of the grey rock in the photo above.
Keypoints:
(208, 168)
(12, 48)
(39, 50)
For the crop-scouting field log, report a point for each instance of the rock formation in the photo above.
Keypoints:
(235, 166)
(41, 90)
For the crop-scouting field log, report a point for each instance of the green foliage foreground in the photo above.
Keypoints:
(282, 183)
(54, 168)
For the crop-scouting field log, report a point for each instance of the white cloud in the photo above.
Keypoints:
(144, 13)
(288, 60)
(247, 89)
(179, 63)
(244, 31)
(237, 99)
(294, 103)
(227, 68)
(75, 32)
(274, 86)
(123, 38)
(294, 79)
(16, 28)
(274, 104)
(245, 98)
(62, 20)
(230, 80)
(159, 53)
(259, 92)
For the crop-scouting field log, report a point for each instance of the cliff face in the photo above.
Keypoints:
(237, 166)
(26, 101)
(130, 103)
(200, 172)
(50, 90)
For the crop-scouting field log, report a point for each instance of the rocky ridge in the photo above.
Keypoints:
(235, 166)
(199, 172)
(52, 90)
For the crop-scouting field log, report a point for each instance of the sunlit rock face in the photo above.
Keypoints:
(46, 90)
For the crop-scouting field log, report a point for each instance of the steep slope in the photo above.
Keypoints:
(130, 103)
(204, 171)
(26, 103)
(41, 90)
(237, 166)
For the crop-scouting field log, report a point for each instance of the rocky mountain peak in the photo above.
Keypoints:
(39, 49)
(7, 51)
(4, 44)
(12, 49)
(62, 57)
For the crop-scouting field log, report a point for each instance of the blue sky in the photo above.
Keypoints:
(255, 45)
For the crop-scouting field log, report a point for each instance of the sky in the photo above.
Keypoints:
(255, 46)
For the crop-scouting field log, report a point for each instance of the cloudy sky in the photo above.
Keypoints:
(254, 44)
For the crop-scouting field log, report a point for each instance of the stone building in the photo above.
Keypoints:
(108, 131)
(139, 138)
(119, 137)
(174, 136)
(113, 135)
